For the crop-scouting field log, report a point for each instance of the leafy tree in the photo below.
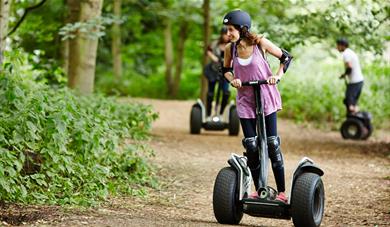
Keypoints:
(181, 14)
(36, 31)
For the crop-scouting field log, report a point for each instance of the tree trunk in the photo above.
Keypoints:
(72, 17)
(116, 41)
(83, 71)
(71, 52)
(4, 15)
(206, 38)
(180, 57)
(168, 55)
(65, 55)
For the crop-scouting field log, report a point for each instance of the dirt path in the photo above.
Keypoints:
(357, 176)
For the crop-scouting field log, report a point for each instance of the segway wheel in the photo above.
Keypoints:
(368, 132)
(353, 128)
(234, 121)
(195, 120)
(307, 201)
(227, 209)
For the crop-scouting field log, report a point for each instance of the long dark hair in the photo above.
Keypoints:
(250, 38)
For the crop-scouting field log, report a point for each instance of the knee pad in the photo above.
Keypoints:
(274, 151)
(250, 144)
(252, 152)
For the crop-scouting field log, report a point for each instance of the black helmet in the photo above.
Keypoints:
(239, 18)
(342, 42)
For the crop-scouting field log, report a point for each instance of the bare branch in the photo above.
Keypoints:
(24, 16)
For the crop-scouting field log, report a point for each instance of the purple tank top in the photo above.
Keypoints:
(257, 69)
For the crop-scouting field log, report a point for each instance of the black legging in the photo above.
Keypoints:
(249, 129)
(249, 126)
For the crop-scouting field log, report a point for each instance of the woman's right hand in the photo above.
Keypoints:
(236, 83)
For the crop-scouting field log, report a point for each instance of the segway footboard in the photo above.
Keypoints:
(215, 125)
(266, 208)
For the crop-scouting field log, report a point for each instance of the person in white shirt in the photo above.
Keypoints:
(353, 73)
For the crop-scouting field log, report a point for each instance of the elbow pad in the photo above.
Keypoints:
(348, 71)
(285, 60)
(227, 69)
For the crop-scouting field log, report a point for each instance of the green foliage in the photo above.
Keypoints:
(366, 27)
(35, 67)
(92, 29)
(291, 23)
(376, 93)
(58, 148)
(39, 30)
(151, 87)
(144, 76)
(134, 86)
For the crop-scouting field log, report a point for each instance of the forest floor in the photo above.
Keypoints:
(356, 180)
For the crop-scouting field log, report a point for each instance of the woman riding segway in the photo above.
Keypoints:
(213, 74)
(246, 56)
(258, 100)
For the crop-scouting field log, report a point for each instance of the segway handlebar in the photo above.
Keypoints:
(255, 82)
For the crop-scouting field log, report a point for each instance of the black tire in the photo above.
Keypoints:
(370, 128)
(352, 128)
(195, 120)
(227, 208)
(234, 122)
(308, 200)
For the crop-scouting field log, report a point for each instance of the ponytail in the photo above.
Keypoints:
(250, 38)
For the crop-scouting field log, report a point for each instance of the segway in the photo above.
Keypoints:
(357, 126)
(233, 185)
(228, 120)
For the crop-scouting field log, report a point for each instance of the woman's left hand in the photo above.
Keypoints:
(274, 79)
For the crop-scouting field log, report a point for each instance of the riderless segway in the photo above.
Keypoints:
(228, 120)
(357, 126)
(233, 185)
